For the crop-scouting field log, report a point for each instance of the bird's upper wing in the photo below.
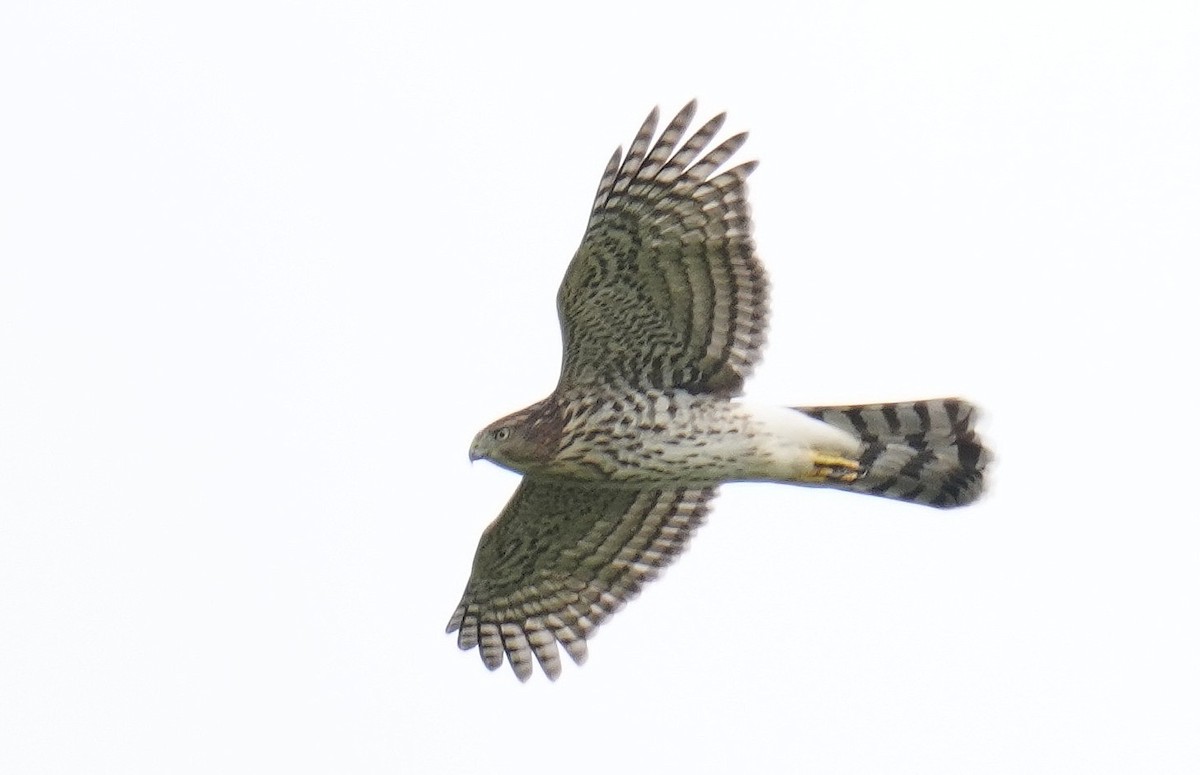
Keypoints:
(563, 557)
(665, 291)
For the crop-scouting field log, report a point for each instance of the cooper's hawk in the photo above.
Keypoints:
(663, 312)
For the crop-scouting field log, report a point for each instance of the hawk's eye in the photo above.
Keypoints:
(503, 433)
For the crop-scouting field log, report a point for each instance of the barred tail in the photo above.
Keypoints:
(919, 451)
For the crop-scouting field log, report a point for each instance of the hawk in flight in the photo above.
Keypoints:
(664, 312)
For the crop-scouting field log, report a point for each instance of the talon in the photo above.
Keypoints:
(827, 467)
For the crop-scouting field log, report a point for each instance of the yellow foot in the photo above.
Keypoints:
(831, 468)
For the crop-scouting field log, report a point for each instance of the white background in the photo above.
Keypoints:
(265, 268)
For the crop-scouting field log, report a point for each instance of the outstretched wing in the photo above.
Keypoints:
(563, 557)
(665, 291)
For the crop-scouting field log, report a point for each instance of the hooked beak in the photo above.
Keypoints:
(474, 453)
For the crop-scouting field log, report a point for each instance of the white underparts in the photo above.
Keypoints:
(786, 440)
(699, 440)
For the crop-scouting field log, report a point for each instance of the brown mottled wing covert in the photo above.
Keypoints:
(665, 291)
(563, 557)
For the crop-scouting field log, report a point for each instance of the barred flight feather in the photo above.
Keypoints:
(921, 451)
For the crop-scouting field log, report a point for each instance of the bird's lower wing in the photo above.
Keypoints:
(563, 557)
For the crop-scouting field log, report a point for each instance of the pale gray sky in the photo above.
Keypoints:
(265, 268)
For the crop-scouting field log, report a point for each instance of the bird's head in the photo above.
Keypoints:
(520, 441)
